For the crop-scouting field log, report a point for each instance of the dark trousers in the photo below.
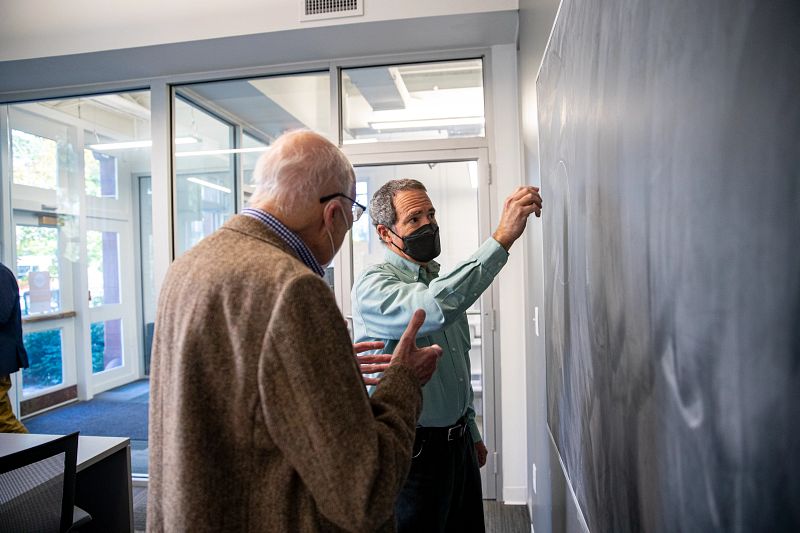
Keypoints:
(443, 489)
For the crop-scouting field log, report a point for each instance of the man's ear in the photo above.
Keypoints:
(329, 214)
(383, 231)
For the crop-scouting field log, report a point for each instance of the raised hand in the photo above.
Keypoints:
(516, 209)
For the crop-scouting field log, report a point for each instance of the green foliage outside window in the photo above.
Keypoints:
(44, 356)
(40, 243)
(34, 160)
(98, 330)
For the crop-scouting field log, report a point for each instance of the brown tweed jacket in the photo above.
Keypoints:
(259, 420)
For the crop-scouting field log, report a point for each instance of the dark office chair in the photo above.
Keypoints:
(37, 488)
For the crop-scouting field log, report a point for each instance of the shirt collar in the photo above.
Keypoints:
(410, 267)
(288, 236)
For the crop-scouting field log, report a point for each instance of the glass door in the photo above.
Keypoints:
(457, 183)
(112, 320)
(45, 222)
(47, 310)
(67, 167)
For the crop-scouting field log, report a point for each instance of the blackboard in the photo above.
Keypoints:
(670, 160)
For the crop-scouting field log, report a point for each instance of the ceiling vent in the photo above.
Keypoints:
(330, 9)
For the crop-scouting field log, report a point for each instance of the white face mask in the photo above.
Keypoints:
(333, 250)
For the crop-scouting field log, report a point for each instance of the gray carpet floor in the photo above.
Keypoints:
(120, 412)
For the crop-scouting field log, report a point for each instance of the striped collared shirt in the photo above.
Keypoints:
(288, 236)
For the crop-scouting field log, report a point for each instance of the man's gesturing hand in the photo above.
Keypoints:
(421, 360)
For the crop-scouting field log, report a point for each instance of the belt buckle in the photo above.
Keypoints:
(459, 429)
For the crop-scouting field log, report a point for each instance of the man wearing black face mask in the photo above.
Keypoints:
(443, 489)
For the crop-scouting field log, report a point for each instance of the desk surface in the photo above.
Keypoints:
(90, 449)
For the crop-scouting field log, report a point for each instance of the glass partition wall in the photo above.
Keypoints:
(204, 174)
(453, 190)
(71, 170)
(82, 211)
(221, 128)
(456, 181)
(233, 123)
(418, 101)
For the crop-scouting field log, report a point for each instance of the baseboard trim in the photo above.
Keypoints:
(48, 401)
(575, 522)
(515, 495)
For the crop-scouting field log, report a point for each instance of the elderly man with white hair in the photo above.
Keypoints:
(259, 420)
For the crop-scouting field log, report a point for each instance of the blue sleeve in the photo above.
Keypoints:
(9, 294)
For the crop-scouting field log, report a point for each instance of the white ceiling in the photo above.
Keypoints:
(47, 28)
(43, 77)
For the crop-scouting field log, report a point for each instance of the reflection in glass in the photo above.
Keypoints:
(266, 107)
(204, 174)
(106, 345)
(100, 171)
(102, 248)
(233, 122)
(34, 160)
(44, 356)
(442, 100)
(37, 269)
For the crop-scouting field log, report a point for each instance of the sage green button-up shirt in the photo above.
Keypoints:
(386, 295)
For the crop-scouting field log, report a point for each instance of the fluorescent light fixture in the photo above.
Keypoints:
(363, 140)
(125, 145)
(427, 123)
(121, 145)
(222, 152)
(204, 183)
(437, 68)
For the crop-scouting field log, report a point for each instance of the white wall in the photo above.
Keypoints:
(44, 28)
(511, 306)
(544, 479)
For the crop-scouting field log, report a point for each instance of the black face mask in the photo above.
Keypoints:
(423, 244)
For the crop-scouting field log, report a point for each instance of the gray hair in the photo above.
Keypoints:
(299, 167)
(381, 207)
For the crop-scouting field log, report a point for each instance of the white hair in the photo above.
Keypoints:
(298, 168)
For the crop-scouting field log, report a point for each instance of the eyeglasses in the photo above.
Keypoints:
(358, 209)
